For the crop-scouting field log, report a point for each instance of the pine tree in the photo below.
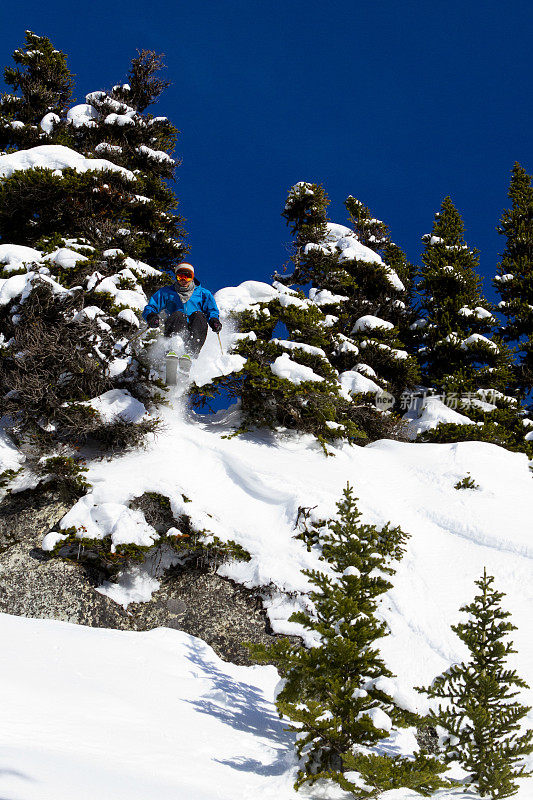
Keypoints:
(337, 693)
(131, 208)
(461, 355)
(80, 294)
(45, 83)
(514, 279)
(378, 310)
(293, 380)
(481, 716)
(116, 126)
(371, 232)
(354, 285)
(456, 353)
(332, 330)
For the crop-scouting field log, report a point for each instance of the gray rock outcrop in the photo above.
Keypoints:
(191, 598)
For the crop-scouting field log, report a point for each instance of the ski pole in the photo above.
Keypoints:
(135, 336)
(220, 343)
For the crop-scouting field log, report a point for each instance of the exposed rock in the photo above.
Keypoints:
(191, 598)
(428, 739)
(215, 609)
(31, 584)
(27, 516)
(52, 589)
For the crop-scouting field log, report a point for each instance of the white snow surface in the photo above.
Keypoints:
(368, 322)
(345, 240)
(433, 412)
(118, 404)
(55, 157)
(201, 728)
(10, 456)
(16, 256)
(238, 298)
(48, 121)
(285, 367)
(65, 257)
(306, 348)
(83, 116)
(92, 713)
(21, 285)
(354, 381)
(477, 338)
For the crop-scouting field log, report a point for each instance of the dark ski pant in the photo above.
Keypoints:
(193, 330)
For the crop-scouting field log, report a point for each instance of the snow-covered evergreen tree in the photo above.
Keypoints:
(322, 348)
(44, 84)
(129, 205)
(514, 279)
(77, 213)
(461, 353)
(115, 125)
(312, 376)
(353, 284)
(457, 352)
(482, 716)
(300, 371)
(338, 693)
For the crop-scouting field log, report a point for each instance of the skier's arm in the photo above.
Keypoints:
(210, 306)
(155, 304)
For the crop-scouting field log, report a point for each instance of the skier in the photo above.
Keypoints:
(190, 309)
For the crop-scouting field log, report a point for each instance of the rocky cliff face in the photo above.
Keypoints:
(192, 599)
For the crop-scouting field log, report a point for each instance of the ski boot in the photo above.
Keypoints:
(172, 360)
(185, 364)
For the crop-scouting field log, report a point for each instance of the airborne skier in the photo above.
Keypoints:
(190, 309)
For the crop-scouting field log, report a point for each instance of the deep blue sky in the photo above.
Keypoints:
(397, 103)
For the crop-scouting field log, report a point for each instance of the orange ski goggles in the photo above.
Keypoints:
(184, 275)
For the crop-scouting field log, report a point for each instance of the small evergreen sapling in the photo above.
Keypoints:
(466, 483)
(481, 716)
(337, 693)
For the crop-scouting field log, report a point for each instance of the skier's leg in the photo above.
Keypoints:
(197, 333)
(175, 323)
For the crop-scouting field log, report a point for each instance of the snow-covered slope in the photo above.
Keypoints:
(106, 715)
(88, 713)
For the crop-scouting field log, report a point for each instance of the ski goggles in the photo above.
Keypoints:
(184, 276)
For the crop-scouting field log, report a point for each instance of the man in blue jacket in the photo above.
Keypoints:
(190, 309)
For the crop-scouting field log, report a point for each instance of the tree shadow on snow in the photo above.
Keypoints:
(14, 773)
(243, 708)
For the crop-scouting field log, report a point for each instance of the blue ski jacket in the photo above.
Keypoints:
(167, 298)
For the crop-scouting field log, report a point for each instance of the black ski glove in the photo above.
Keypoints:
(152, 320)
(215, 324)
